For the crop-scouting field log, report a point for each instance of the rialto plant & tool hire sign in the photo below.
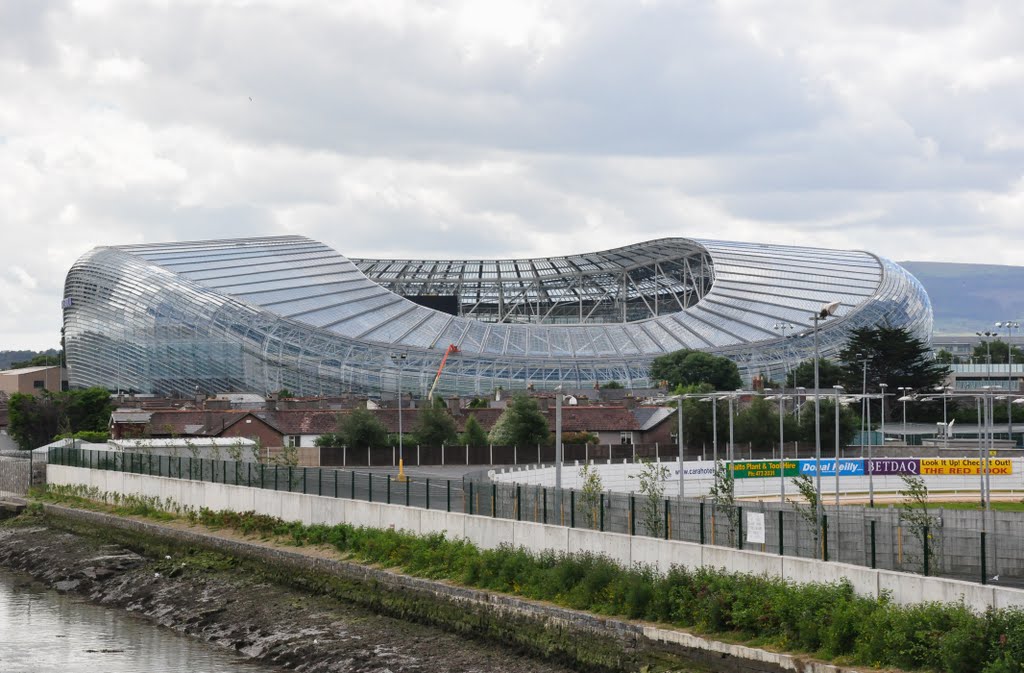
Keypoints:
(856, 467)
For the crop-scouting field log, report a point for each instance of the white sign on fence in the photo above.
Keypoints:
(755, 527)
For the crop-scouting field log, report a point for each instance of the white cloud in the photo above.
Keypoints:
(488, 130)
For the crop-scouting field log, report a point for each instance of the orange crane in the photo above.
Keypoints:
(451, 350)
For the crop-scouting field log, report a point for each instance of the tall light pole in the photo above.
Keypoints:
(838, 389)
(864, 402)
(558, 438)
(714, 427)
(1009, 325)
(782, 327)
(679, 429)
(986, 335)
(824, 312)
(904, 398)
(399, 359)
(782, 446)
(871, 467)
(801, 394)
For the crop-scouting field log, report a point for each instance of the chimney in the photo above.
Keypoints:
(271, 403)
(454, 405)
(629, 402)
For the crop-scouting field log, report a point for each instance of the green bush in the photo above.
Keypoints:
(829, 620)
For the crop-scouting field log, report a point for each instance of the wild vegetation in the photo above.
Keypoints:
(829, 621)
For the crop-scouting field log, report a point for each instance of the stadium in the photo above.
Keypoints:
(287, 312)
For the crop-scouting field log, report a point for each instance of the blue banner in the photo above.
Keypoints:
(849, 467)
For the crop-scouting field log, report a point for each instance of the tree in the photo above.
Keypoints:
(829, 374)
(474, 433)
(915, 513)
(520, 424)
(330, 440)
(590, 493)
(36, 420)
(435, 426)
(652, 478)
(944, 357)
(999, 349)
(688, 367)
(612, 385)
(41, 360)
(808, 510)
(723, 495)
(360, 428)
(849, 424)
(758, 424)
(894, 356)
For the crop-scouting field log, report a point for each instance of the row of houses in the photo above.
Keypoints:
(301, 427)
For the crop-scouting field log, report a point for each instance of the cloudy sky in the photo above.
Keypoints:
(486, 129)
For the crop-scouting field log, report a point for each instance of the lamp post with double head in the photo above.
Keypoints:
(1009, 326)
(782, 327)
(904, 398)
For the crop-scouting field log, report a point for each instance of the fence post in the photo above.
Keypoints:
(632, 514)
(471, 498)
(874, 563)
(335, 483)
(824, 537)
(319, 481)
(427, 491)
(545, 504)
(519, 503)
(353, 473)
(369, 480)
(304, 480)
(572, 508)
(289, 478)
(780, 532)
(702, 522)
(739, 538)
(601, 525)
(494, 500)
(448, 491)
(387, 498)
(668, 522)
(984, 574)
(924, 543)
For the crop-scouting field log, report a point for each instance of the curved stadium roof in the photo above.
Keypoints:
(262, 314)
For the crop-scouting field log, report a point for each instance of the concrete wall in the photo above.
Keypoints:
(488, 533)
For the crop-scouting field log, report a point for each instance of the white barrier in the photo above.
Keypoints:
(488, 533)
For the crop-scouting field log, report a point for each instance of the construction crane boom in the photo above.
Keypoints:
(451, 350)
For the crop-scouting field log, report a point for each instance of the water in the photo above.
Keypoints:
(42, 631)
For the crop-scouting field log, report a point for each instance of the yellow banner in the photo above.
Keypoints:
(957, 466)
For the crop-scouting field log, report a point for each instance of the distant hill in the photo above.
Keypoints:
(9, 357)
(968, 298)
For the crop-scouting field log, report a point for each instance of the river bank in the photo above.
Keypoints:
(302, 609)
(214, 598)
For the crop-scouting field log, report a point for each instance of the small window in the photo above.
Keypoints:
(625, 438)
(294, 441)
(38, 384)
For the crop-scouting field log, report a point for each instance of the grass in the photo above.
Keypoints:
(827, 620)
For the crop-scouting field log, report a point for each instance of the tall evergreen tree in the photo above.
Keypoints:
(435, 426)
(894, 356)
(829, 374)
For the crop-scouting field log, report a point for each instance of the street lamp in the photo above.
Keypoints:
(679, 429)
(782, 446)
(782, 327)
(838, 389)
(399, 359)
(801, 394)
(824, 312)
(714, 428)
(871, 465)
(904, 398)
(1009, 325)
(988, 350)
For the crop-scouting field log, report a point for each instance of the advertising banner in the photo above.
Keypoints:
(758, 469)
(960, 466)
(847, 468)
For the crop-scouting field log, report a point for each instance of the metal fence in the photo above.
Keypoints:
(986, 547)
(15, 474)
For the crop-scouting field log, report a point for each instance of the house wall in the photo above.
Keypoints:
(253, 428)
